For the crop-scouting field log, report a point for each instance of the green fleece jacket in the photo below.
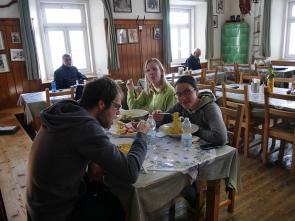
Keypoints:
(162, 100)
(207, 115)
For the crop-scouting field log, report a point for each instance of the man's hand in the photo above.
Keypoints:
(143, 127)
(95, 172)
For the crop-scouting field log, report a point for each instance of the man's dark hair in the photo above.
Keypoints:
(104, 89)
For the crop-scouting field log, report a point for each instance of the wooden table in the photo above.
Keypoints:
(160, 186)
(257, 99)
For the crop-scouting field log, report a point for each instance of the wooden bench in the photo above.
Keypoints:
(14, 150)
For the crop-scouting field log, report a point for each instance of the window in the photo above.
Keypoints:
(65, 31)
(181, 26)
(290, 34)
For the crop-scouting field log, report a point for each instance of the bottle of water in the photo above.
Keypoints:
(53, 86)
(151, 135)
(186, 136)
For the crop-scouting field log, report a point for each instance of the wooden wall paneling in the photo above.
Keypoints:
(132, 56)
(14, 82)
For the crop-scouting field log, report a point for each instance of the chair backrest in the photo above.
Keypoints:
(231, 73)
(283, 63)
(208, 75)
(248, 77)
(210, 86)
(70, 92)
(262, 68)
(233, 130)
(214, 63)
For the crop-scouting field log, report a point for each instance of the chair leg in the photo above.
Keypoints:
(282, 150)
(231, 197)
(246, 142)
(172, 212)
(264, 146)
(293, 159)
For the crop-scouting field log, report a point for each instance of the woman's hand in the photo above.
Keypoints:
(157, 115)
(95, 172)
(130, 85)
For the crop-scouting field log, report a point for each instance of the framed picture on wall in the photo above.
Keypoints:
(133, 35)
(122, 36)
(215, 21)
(2, 46)
(157, 33)
(219, 6)
(17, 55)
(122, 6)
(3, 63)
(152, 6)
(15, 37)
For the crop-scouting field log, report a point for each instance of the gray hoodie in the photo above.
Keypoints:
(68, 139)
(207, 115)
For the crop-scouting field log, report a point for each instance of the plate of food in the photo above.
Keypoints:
(133, 114)
(121, 129)
(123, 144)
(171, 131)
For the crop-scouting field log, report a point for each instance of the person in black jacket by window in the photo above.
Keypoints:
(66, 75)
(193, 62)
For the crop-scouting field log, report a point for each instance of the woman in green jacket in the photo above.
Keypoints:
(158, 94)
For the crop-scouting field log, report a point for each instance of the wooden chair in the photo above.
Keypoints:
(262, 68)
(234, 131)
(231, 73)
(215, 63)
(247, 77)
(284, 131)
(283, 63)
(210, 86)
(65, 92)
(251, 122)
(208, 75)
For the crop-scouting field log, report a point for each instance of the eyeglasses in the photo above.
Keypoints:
(117, 106)
(185, 92)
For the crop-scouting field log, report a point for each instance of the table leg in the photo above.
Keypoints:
(212, 203)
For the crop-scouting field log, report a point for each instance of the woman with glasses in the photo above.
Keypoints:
(200, 108)
(158, 94)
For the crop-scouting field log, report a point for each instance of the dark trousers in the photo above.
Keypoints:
(98, 204)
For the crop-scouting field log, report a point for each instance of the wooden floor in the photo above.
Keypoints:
(268, 194)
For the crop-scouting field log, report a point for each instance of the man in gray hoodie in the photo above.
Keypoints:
(71, 140)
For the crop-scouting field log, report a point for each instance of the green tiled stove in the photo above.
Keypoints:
(234, 42)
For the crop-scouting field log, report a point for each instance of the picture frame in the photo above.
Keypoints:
(2, 46)
(122, 36)
(152, 6)
(215, 21)
(17, 55)
(4, 67)
(157, 33)
(219, 6)
(122, 6)
(15, 38)
(132, 35)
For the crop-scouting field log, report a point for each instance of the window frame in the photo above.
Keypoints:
(65, 28)
(289, 21)
(191, 27)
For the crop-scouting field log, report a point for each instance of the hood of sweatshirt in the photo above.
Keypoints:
(205, 97)
(64, 114)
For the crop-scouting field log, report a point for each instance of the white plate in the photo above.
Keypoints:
(114, 132)
(132, 114)
(163, 127)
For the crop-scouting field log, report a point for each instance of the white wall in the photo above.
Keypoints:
(9, 12)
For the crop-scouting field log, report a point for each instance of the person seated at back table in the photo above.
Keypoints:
(193, 62)
(200, 108)
(72, 138)
(158, 94)
(67, 75)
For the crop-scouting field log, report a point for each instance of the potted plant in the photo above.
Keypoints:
(270, 79)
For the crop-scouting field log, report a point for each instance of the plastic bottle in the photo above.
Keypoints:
(53, 86)
(151, 135)
(186, 136)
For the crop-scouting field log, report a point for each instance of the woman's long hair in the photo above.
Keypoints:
(163, 82)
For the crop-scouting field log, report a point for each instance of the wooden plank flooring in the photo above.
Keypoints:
(268, 194)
